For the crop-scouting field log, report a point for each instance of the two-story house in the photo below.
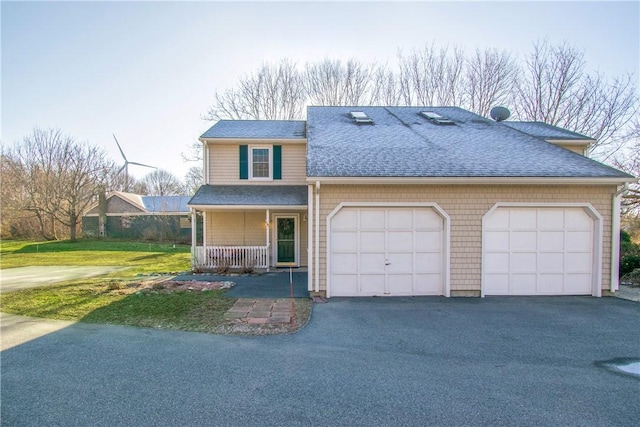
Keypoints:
(412, 201)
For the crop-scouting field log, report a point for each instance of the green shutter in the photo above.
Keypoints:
(244, 162)
(277, 162)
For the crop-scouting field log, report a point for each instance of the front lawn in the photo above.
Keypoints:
(129, 297)
(142, 258)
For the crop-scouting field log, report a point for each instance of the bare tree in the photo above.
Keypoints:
(273, 92)
(431, 76)
(334, 82)
(555, 89)
(490, 77)
(161, 183)
(193, 179)
(60, 177)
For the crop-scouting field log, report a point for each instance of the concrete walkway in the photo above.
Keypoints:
(260, 311)
(16, 330)
(15, 279)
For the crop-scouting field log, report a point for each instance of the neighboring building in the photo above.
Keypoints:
(411, 201)
(132, 216)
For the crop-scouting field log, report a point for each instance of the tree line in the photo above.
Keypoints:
(550, 84)
(49, 179)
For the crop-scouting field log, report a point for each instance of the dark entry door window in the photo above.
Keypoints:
(286, 240)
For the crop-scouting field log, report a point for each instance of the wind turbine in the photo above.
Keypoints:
(125, 167)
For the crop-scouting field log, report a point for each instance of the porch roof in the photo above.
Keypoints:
(248, 196)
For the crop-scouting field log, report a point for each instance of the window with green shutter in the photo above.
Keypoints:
(260, 162)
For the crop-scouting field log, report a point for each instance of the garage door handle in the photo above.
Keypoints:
(387, 263)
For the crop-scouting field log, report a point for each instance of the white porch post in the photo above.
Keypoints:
(268, 226)
(310, 213)
(194, 238)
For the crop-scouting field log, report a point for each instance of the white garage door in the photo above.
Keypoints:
(386, 251)
(538, 251)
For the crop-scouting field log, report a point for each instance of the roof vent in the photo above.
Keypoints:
(437, 118)
(360, 117)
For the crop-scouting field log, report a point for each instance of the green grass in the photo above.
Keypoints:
(120, 298)
(121, 303)
(142, 258)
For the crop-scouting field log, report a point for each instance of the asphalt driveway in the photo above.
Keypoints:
(371, 361)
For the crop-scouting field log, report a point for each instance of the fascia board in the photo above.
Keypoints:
(472, 180)
(247, 207)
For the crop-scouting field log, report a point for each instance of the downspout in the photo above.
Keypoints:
(310, 240)
(615, 238)
(317, 239)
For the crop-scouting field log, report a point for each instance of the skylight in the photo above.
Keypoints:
(360, 117)
(437, 118)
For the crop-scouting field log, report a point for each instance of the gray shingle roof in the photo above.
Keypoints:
(166, 203)
(250, 129)
(247, 195)
(403, 143)
(545, 131)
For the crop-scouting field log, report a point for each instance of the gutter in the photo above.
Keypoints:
(473, 180)
(317, 239)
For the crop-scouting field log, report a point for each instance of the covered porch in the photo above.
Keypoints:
(248, 228)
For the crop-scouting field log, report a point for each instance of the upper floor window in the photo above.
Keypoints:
(260, 160)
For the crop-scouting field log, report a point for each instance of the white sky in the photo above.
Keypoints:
(147, 71)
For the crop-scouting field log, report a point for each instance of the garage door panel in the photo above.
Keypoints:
(551, 219)
(345, 241)
(428, 284)
(372, 220)
(496, 284)
(523, 241)
(549, 262)
(344, 263)
(402, 284)
(428, 262)
(521, 219)
(578, 219)
(522, 284)
(550, 240)
(428, 241)
(372, 263)
(400, 241)
(372, 241)
(400, 263)
(551, 284)
(345, 284)
(549, 251)
(499, 220)
(524, 262)
(400, 219)
(577, 262)
(496, 262)
(578, 284)
(346, 220)
(496, 241)
(578, 240)
(372, 284)
(427, 219)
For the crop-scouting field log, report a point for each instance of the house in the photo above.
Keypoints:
(411, 201)
(133, 216)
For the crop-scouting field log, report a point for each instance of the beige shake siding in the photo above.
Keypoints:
(224, 165)
(248, 228)
(466, 206)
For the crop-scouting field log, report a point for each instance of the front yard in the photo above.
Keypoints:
(133, 297)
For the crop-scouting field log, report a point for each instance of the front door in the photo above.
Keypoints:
(286, 233)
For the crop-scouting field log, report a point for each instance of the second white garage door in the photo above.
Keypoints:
(386, 251)
(538, 251)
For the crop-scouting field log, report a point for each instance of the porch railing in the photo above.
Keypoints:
(231, 256)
